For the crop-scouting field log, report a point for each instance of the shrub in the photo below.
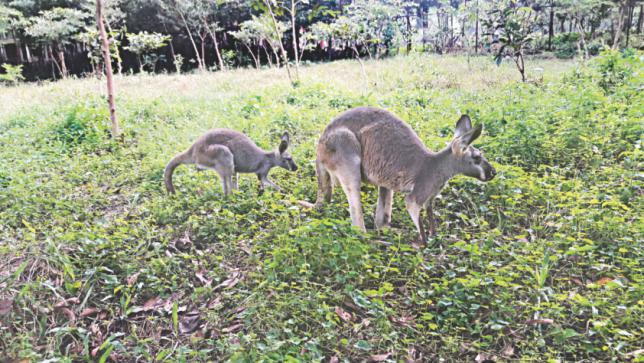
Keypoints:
(85, 124)
(13, 74)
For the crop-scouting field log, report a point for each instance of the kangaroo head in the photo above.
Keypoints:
(471, 161)
(282, 158)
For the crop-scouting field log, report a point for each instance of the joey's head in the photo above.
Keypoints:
(282, 157)
(469, 160)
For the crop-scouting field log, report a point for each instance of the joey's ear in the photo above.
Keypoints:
(284, 142)
(463, 125)
(460, 144)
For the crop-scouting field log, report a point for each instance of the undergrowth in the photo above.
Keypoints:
(542, 264)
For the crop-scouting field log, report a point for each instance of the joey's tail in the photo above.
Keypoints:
(179, 159)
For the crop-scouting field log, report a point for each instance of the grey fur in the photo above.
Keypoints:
(229, 152)
(373, 145)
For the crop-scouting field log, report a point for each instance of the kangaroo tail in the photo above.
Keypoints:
(179, 159)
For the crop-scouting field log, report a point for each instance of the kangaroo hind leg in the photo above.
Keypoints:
(221, 159)
(343, 161)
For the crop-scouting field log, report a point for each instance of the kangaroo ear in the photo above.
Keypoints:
(284, 142)
(472, 135)
(460, 144)
(463, 125)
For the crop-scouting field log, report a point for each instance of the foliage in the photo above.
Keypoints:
(513, 26)
(541, 264)
(12, 74)
(57, 25)
(143, 44)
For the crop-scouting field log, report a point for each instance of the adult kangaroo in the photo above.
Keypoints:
(230, 152)
(373, 145)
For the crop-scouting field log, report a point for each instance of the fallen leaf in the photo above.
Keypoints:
(379, 357)
(539, 321)
(413, 356)
(604, 280)
(88, 312)
(5, 306)
(69, 314)
(233, 328)
(577, 281)
(214, 303)
(67, 302)
(405, 320)
(132, 279)
(202, 279)
(334, 359)
(189, 323)
(230, 282)
(344, 315)
(151, 303)
(485, 358)
(508, 351)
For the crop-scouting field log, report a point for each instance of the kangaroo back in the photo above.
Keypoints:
(391, 152)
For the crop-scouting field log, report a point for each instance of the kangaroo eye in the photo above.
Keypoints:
(477, 159)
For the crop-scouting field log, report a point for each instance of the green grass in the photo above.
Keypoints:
(543, 263)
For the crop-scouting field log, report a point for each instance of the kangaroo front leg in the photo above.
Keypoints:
(383, 208)
(268, 183)
(414, 210)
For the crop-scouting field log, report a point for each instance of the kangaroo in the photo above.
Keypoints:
(373, 145)
(229, 152)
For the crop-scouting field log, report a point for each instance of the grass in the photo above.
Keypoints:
(541, 264)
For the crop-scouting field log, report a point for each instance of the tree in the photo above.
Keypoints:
(514, 28)
(12, 22)
(278, 35)
(56, 28)
(113, 17)
(582, 12)
(258, 32)
(116, 131)
(191, 14)
(142, 44)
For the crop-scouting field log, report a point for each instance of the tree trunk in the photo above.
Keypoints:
(61, 58)
(562, 25)
(629, 22)
(551, 25)
(252, 55)
(620, 23)
(116, 131)
(16, 40)
(476, 32)
(364, 72)
(28, 53)
(203, 38)
(268, 57)
(213, 35)
(192, 40)
(408, 35)
(294, 35)
(640, 19)
(521, 66)
(279, 38)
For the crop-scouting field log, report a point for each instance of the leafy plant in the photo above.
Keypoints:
(13, 74)
(512, 26)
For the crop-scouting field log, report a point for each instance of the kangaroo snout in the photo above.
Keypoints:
(491, 173)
